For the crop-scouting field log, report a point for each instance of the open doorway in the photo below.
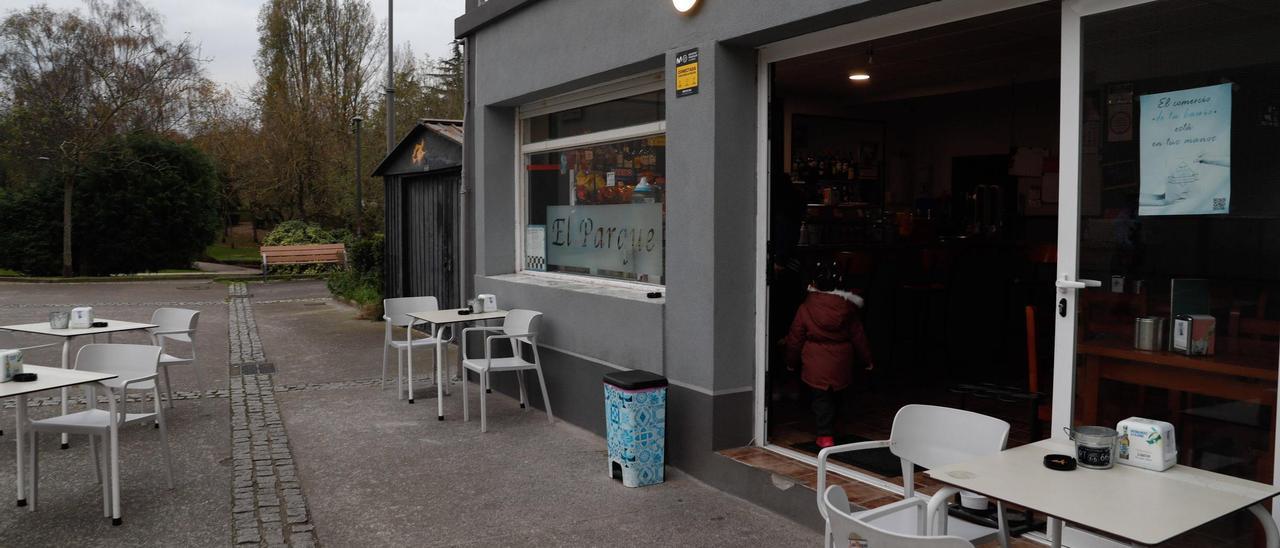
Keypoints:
(919, 171)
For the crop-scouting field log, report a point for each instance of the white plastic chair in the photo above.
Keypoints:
(135, 365)
(928, 436)
(520, 327)
(173, 324)
(845, 525)
(396, 315)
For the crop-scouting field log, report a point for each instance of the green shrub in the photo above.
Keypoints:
(367, 256)
(299, 233)
(362, 282)
(142, 204)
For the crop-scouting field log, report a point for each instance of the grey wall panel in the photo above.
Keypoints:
(620, 331)
(528, 53)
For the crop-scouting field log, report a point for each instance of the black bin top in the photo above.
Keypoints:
(635, 380)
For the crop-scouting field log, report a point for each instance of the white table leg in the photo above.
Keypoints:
(115, 457)
(1268, 524)
(20, 433)
(66, 364)
(439, 373)
(1055, 532)
(409, 350)
(936, 509)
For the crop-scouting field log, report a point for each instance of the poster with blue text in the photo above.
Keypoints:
(1185, 137)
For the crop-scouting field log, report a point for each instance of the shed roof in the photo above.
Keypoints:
(431, 144)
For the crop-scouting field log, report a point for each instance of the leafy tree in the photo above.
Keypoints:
(144, 203)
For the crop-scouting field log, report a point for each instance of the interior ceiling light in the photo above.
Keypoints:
(684, 6)
(864, 74)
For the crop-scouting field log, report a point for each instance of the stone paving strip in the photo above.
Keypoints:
(157, 304)
(179, 395)
(160, 304)
(268, 507)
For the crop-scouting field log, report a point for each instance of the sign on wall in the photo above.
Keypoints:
(687, 73)
(1185, 158)
(535, 248)
(621, 240)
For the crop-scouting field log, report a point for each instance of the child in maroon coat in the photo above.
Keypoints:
(825, 338)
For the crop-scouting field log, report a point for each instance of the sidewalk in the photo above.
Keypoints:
(306, 449)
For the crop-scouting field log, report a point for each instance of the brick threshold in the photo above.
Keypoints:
(862, 494)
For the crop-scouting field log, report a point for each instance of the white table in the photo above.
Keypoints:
(439, 319)
(1138, 505)
(47, 378)
(42, 328)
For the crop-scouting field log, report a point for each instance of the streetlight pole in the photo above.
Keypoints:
(359, 189)
(390, 89)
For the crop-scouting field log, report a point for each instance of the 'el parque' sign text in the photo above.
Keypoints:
(622, 239)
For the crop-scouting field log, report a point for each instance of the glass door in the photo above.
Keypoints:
(1165, 298)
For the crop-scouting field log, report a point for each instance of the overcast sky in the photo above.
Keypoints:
(227, 30)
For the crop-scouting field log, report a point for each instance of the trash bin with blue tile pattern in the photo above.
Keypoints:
(635, 408)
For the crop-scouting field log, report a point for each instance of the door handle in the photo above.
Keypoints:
(1066, 283)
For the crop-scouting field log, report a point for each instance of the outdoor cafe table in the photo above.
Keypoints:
(42, 328)
(47, 378)
(439, 319)
(1141, 506)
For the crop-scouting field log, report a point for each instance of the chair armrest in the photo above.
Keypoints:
(825, 454)
(172, 332)
(124, 393)
(125, 385)
(38, 346)
(488, 342)
(893, 508)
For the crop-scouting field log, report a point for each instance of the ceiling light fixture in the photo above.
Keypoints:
(863, 74)
(685, 6)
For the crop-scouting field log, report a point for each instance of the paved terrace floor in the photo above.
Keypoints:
(281, 435)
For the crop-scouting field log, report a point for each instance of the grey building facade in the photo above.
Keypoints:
(702, 333)
(620, 171)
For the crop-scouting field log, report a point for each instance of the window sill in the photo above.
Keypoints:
(620, 290)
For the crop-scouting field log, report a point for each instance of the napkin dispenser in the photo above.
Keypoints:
(1146, 443)
(11, 363)
(488, 302)
(81, 317)
(1193, 334)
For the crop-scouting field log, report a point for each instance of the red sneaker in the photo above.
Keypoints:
(825, 442)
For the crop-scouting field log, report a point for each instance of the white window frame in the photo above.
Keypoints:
(890, 24)
(622, 88)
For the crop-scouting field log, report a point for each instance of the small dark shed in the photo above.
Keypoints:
(422, 180)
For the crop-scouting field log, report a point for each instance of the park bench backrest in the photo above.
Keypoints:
(303, 254)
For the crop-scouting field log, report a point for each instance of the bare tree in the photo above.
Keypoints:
(315, 62)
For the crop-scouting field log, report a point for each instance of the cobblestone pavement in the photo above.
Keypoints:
(268, 507)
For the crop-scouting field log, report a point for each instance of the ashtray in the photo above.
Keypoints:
(98, 324)
(24, 377)
(1060, 462)
(464, 311)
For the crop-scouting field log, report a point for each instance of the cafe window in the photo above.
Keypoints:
(594, 183)
(1180, 213)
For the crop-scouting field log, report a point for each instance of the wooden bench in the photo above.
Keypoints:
(302, 254)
